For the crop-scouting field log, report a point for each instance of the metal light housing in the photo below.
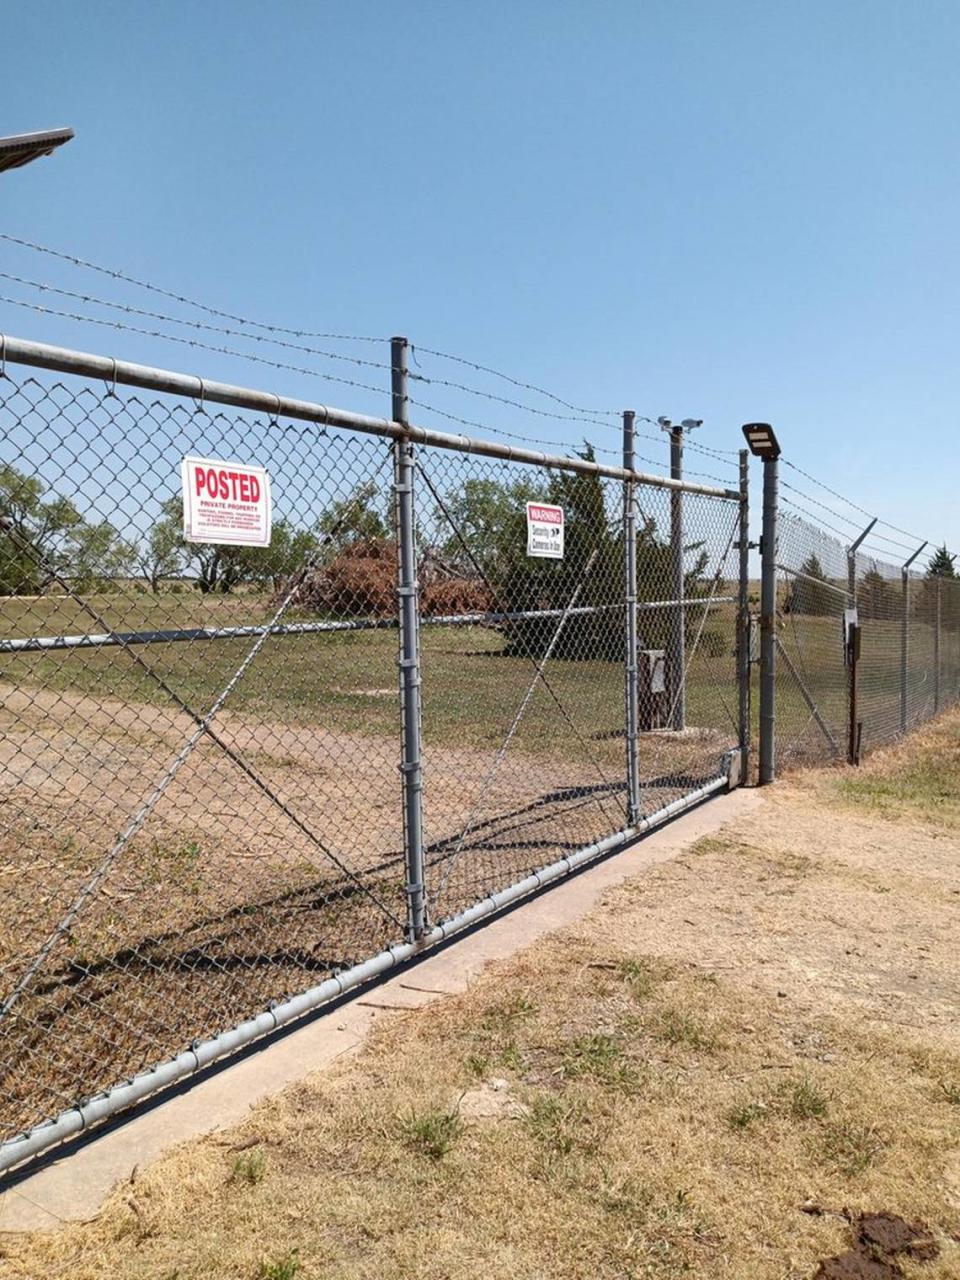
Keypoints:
(21, 148)
(761, 440)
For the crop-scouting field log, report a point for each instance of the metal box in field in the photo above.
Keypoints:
(652, 687)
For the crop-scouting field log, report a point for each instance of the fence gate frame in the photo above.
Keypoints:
(406, 439)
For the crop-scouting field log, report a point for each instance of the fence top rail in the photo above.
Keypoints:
(40, 355)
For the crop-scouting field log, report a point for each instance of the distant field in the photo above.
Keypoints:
(348, 680)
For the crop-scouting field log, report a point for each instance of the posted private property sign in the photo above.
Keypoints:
(225, 502)
(544, 531)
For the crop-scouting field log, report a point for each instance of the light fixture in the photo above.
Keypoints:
(761, 440)
(21, 148)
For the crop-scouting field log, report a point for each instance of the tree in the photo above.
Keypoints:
(290, 551)
(941, 564)
(161, 555)
(32, 533)
(352, 519)
(221, 568)
(96, 555)
(490, 517)
(940, 591)
(811, 592)
(876, 596)
(44, 538)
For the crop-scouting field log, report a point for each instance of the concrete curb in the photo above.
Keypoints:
(74, 1186)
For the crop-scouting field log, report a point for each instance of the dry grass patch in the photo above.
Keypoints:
(916, 780)
(661, 1124)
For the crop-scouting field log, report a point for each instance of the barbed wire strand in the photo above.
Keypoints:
(188, 342)
(116, 274)
(862, 510)
(43, 287)
(129, 309)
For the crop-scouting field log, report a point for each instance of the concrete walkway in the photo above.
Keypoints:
(74, 1187)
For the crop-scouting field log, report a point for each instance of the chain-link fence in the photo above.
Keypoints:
(866, 650)
(219, 803)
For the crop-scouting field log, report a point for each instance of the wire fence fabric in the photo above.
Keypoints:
(200, 787)
(908, 666)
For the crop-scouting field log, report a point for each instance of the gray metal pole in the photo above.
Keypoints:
(853, 713)
(630, 604)
(768, 621)
(409, 662)
(743, 619)
(936, 647)
(678, 693)
(905, 638)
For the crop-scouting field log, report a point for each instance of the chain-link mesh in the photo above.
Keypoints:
(176, 858)
(811, 685)
(201, 800)
(524, 725)
(908, 665)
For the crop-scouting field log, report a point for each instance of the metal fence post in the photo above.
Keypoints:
(411, 768)
(743, 620)
(905, 638)
(936, 647)
(678, 693)
(853, 653)
(630, 605)
(768, 621)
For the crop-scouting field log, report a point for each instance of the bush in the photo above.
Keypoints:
(361, 582)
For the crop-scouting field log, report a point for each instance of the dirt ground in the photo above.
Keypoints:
(745, 1065)
(230, 897)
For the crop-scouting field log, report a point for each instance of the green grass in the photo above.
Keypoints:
(743, 1114)
(347, 680)
(560, 1124)
(805, 1100)
(431, 1133)
(922, 784)
(250, 1167)
(600, 1058)
(677, 1027)
(283, 1268)
(850, 1146)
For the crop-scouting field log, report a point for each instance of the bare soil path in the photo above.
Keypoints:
(734, 1068)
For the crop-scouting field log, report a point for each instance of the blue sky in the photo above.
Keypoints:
(730, 210)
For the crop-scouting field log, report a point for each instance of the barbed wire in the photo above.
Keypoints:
(838, 515)
(523, 439)
(202, 326)
(116, 274)
(189, 342)
(817, 522)
(129, 309)
(862, 510)
(576, 413)
(516, 382)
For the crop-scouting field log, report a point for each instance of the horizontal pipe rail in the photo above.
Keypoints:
(40, 355)
(104, 640)
(77, 1119)
(818, 582)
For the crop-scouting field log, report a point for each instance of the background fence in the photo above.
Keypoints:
(834, 704)
(235, 781)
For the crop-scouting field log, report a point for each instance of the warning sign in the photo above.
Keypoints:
(225, 502)
(544, 531)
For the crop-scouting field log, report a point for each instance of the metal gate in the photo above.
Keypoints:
(235, 782)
